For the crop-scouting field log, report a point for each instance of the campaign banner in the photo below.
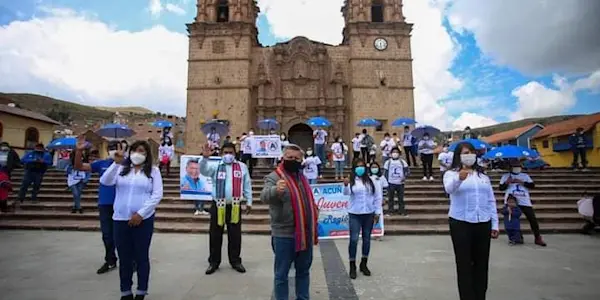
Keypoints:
(333, 212)
(266, 146)
(192, 185)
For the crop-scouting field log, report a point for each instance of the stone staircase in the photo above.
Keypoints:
(554, 199)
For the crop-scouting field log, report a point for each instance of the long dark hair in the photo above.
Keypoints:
(365, 178)
(457, 163)
(378, 167)
(146, 166)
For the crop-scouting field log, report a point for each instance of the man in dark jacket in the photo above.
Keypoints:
(9, 159)
(36, 164)
(579, 142)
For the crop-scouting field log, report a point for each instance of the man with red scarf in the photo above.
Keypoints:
(293, 222)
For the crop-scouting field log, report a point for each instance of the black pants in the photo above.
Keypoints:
(471, 242)
(355, 155)
(234, 237)
(365, 154)
(393, 191)
(577, 153)
(4, 205)
(427, 160)
(409, 153)
(249, 161)
(530, 215)
(108, 235)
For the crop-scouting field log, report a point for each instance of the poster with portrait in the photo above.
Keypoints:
(266, 146)
(333, 212)
(192, 185)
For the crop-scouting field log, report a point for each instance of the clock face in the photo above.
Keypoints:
(380, 44)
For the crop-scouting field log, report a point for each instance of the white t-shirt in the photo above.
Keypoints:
(339, 151)
(311, 170)
(166, 150)
(360, 139)
(429, 146)
(381, 182)
(445, 158)
(356, 144)
(395, 169)
(320, 136)
(407, 140)
(518, 189)
(386, 147)
(213, 137)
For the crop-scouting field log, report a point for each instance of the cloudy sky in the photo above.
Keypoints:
(475, 62)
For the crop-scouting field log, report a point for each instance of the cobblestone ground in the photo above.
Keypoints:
(41, 265)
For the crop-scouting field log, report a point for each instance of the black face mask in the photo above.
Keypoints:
(292, 166)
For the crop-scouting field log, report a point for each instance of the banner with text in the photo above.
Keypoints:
(266, 146)
(333, 212)
(192, 185)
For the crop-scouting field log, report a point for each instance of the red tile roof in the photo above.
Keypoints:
(508, 135)
(27, 114)
(569, 126)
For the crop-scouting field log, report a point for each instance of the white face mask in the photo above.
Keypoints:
(395, 155)
(251, 133)
(468, 159)
(228, 158)
(340, 140)
(426, 138)
(309, 153)
(112, 153)
(516, 170)
(387, 138)
(137, 158)
(445, 149)
(283, 137)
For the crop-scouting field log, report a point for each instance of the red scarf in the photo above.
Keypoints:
(304, 231)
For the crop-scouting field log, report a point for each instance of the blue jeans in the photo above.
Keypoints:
(320, 152)
(312, 181)
(108, 236)
(285, 254)
(31, 178)
(199, 205)
(77, 189)
(133, 246)
(339, 168)
(358, 223)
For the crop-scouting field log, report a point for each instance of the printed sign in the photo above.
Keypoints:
(266, 146)
(192, 185)
(333, 212)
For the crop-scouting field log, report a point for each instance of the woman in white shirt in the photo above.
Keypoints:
(139, 189)
(356, 146)
(339, 150)
(426, 147)
(166, 152)
(386, 147)
(364, 210)
(473, 221)
(311, 164)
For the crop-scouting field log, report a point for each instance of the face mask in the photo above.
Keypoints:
(516, 170)
(374, 171)
(426, 138)
(387, 138)
(137, 158)
(4, 149)
(309, 153)
(292, 166)
(359, 171)
(468, 159)
(283, 137)
(395, 155)
(251, 133)
(340, 140)
(228, 158)
(112, 153)
(445, 149)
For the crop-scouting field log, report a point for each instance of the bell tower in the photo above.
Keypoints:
(221, 40)
(380, 61)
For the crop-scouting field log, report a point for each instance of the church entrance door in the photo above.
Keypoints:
(301, 135)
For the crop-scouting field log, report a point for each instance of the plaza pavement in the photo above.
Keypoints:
(45, 265)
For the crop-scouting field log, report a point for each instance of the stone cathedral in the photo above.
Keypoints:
(231, 77)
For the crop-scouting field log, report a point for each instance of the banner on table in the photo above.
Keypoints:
(192, 185)
(333, 212)
(266, 146)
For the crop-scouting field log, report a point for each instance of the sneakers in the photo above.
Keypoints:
(430, 178)
(197, 213)
(105, 268)
(424, 178)
(200, 212)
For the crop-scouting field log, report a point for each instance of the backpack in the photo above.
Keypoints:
(368, 141)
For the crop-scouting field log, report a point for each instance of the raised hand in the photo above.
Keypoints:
(463, 174)
(281, 186)
(80, 143)
(119, 154)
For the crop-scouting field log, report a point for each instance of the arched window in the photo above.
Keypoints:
(223, 11)
(377, 11)
(32, 137)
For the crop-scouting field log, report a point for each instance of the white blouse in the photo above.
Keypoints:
(362, 199)
(136, 193)
(471, 200)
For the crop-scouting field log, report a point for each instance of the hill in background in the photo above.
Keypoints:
(489, 130)
(127, 110)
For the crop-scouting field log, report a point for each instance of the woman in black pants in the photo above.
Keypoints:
(473, 221)
(426, 147)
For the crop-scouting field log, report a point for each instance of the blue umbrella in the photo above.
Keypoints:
(368, 122)
(511, 152)
(401, 122)
(478, 144)
(64, 143)
(268, 124)
(221, 128)
(162, 124)
(420, 131)
(318, 122)
(115, 131)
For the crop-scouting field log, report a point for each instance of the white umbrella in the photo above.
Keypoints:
(585, 207)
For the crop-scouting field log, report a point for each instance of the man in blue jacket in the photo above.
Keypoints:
(579, 144)
(36, 164)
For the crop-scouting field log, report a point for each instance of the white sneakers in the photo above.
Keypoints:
(425, 178)
(430, 178)
(200, 212)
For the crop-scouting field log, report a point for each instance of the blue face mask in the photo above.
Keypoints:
(359, 171)
(374, 171)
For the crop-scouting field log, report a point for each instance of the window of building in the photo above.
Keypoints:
(545, 144)
(32, 137)
(377, 11)
(381, 125)
(223, 11)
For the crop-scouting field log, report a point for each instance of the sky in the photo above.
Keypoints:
(475, 62)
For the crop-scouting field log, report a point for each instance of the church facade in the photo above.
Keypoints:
(232, 77)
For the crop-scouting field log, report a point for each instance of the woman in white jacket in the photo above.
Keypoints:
(139, 189)
(339, 150)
